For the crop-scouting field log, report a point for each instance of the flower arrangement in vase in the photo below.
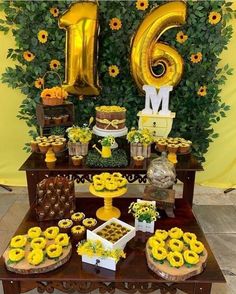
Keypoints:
(145, 215)
(140, 142)
(79, 138)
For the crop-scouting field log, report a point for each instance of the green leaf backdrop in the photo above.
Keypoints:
(195, 115)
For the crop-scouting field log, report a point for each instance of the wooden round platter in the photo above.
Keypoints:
(23, 267)
(175, 274)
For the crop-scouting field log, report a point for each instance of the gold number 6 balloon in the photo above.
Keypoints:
(81, 24)
(147, 52)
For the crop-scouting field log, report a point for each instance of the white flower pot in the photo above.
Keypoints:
(144, 226)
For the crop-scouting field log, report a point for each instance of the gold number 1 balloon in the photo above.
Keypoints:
(81, 24)
(147, 52)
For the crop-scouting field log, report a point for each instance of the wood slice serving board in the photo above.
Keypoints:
(23, 267)
(175, 274)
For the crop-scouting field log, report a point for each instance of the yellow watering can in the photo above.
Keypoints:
(106, 151)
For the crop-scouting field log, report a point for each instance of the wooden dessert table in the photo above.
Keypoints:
(36, 170)
(132, 273)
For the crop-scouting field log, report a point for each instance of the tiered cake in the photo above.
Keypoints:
(110, 120)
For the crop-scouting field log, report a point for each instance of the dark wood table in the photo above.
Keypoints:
(132, 274)
(36, 170)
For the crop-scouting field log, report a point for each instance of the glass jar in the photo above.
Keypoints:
(161, 172)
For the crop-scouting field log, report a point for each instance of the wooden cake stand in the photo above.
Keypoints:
(108, 211)
(175, 274)
(23, 267)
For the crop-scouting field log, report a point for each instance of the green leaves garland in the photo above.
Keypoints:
(195, 114)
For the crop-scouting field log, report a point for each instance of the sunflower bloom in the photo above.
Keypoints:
(214, 17)
(196, 57)
(28, 56)
(54, 64)
(42, 36)
(202, 91)
(54, 11)
(181, 37)
(113, 70)
(142, 4)
(115, 24)
(39, 83)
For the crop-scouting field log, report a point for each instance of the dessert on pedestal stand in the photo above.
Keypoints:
(108, 211)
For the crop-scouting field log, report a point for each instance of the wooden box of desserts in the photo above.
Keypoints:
(58, 115)
(114, 234)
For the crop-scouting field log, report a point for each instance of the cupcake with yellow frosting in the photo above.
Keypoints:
(89, 223)
(51, 233)
(34, 232)
(16, 254)
(62, 239)
(35, 257)
(77, 217)
(54, 251)
(18, 241)
(65, 225)
(78, 232)
(38, 243)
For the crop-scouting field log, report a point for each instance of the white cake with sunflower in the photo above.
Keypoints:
(110, 120)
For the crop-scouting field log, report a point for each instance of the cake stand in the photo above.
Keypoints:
(104, 133)
(108, 211)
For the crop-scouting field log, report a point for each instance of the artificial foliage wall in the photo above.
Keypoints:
(40, 46)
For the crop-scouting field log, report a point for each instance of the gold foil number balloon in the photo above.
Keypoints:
(147, 54)
(81, 24)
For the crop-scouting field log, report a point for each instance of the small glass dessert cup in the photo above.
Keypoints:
(77, 160)
(77, 217)
(138, 160)
(65, 225)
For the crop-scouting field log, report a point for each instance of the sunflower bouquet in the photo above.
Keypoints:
(79, 134)
(143, 211)
(55, 95)
(140, 136)
(95, 248)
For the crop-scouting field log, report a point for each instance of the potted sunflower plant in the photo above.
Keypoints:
(145, 215)
(140, 142)
(79, 138)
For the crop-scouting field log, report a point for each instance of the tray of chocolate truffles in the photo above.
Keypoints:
(113, 234)
(55, 198)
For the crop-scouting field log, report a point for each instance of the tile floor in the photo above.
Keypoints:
(215, 211)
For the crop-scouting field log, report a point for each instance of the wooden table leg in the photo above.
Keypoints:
(188, 179)
(11, 287)
(32, 181)
(202, 288)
